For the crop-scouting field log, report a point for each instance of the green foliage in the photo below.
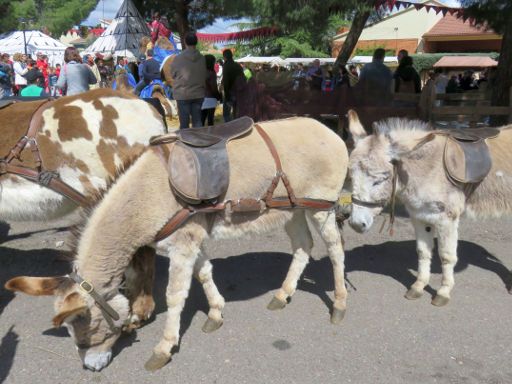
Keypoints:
(426, 61)
(369, 51)
(495, 13)
(56, 16)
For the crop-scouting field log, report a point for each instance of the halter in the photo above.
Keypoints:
(107, 311)
(382, 203)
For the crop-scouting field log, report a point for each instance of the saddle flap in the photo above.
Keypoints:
(466, 162)
(199, 174)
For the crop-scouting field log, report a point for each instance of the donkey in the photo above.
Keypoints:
(83, 139)
(141, 202)
(399, 153)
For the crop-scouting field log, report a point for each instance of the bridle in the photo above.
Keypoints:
(382, 203)
(107, 311)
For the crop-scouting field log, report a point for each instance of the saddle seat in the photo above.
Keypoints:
(467, 159)
(198, 162)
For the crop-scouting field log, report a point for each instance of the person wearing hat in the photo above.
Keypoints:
(35, 81)
(188, 72)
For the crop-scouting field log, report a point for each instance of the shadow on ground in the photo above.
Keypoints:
(246, 276)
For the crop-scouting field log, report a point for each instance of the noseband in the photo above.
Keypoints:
(382, 203)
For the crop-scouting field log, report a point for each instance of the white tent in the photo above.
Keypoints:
(272, 60)
(36, 42)
(122, 36)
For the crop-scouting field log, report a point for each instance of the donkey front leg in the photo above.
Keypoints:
(424, 245)
(184, 251)
(330, 233)
(139, 286)
(302, 242)
(447, 237)
(203, 274)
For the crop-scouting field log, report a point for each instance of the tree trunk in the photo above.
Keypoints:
(356, 29)
(182, 20)
(503, 81)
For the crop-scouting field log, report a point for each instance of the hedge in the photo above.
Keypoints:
(426, 61)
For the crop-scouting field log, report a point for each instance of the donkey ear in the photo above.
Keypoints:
(36, 286)
(72, 305)
(355, 127)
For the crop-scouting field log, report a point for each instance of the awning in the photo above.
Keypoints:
(465, 62)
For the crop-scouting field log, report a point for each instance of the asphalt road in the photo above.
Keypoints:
(383, 339)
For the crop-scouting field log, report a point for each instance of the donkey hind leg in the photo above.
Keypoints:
(184, 250)
(424, 246)
(447, 238)
(302, 242)
(203, 273)
(325, 222)
(139, 279)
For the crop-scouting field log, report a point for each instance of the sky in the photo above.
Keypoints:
(108, 9)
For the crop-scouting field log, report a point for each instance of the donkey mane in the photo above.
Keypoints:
(400, 126)
(95, 199)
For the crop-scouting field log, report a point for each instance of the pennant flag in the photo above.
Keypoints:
(237, 36)
(445, 11)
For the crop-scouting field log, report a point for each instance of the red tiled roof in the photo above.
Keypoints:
(452, 26)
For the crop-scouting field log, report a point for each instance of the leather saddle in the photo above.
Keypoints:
(198, 163)
(467, 159)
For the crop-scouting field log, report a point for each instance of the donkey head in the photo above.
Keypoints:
(93, 334)
(371, 171)
(376, 161)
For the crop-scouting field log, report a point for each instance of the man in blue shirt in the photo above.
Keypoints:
(150, 71)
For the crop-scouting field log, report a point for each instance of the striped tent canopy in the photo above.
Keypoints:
(122, 36)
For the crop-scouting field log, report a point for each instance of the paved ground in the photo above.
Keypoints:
(383, 339)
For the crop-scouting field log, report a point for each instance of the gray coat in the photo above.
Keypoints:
(188, 71)
(75, 78)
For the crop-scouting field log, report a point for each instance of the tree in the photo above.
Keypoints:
(497, 14)
(185, 15)
(55, 15)
(362, 11)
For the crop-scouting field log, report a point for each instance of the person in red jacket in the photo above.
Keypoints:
(42, 64)
(158, 28)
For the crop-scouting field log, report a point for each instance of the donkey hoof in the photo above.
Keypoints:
(413, 294)
(276, 304)
(337, 315)
(211, 325)
(156, 361)
(440, 301)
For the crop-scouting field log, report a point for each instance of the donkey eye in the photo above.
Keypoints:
(378, 182)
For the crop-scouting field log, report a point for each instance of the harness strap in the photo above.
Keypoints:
(88, 288)
(45, 178)
(280, 175)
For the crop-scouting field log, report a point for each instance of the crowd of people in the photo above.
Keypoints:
(201, 83)
(24, 77)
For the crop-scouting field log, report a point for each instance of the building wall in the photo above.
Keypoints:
(405, 26)
(409, 44)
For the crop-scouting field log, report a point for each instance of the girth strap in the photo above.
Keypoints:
(46, 179)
